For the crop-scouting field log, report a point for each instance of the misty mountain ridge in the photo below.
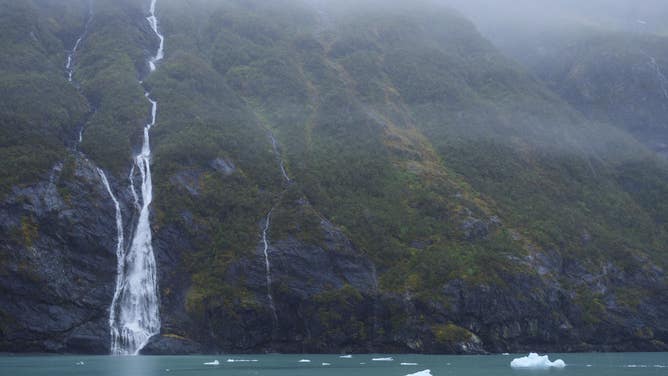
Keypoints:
(334, 176)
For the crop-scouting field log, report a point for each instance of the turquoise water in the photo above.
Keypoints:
(288, 365)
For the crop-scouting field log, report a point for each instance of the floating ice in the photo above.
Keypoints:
(421, 373)
(536, 361)
(326, 364)
(241, 360)
(80, 363)
(505, 354)
(214, 363)
(409, 364)
(389, 359)
(346, 356)
(304, 361)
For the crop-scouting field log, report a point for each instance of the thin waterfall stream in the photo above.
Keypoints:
(71, 55)
(265, 231)
(663, 81)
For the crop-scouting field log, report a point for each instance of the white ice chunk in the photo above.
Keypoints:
(388, 359)
(214, 363)
(304, 361)
(326, 364)
(536, 361)
(241, 360)
(421, 373)
(409, 364)
(346, 356)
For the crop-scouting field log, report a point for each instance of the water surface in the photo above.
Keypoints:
(627, 364)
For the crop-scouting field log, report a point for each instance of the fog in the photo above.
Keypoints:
(634, 15)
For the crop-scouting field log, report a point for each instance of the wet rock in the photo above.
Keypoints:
(188, 180)
(223, 166)
(171, 345)
(474, 228)
(58, 263)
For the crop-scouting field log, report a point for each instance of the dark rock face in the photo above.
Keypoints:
(58, 263)
(59, 267)
(171, 345)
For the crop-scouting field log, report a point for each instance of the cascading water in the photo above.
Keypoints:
(281, 164)
(267, 264)
(71, 55)
(134, 316)
(663, 81)
(120, 256)
(265, 231)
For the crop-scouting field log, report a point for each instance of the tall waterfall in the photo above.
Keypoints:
(134, 316)
(267, 225)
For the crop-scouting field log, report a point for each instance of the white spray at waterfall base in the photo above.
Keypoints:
(134, 316)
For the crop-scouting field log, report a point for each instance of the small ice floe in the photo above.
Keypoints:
(167, 369)
(588, 365)
(505, 354)
(363, 363)
(408, 364)
(536, 361)
(80, 363)
(388, 359)
(421, 373)
(304, 361)
(214, 363)
(345, 356)
(326, 364)
(241, 360)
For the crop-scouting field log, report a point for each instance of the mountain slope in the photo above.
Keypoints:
(344, 177)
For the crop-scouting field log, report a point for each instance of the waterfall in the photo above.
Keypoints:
(281, 164)
(267, 264)
(120, 269)
(71, 55)
(153, 20)
(663, 82)
(134, 316)
(265, 230)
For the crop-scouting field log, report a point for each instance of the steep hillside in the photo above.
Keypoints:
(327, 178)
(617, 79)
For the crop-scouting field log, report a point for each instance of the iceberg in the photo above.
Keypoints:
(326, 364)
(214, 363)
(345, 356)
(536, 361)
(389, 359)
(304, 361)
(421, 373)
(241, 360)
(408, 364)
